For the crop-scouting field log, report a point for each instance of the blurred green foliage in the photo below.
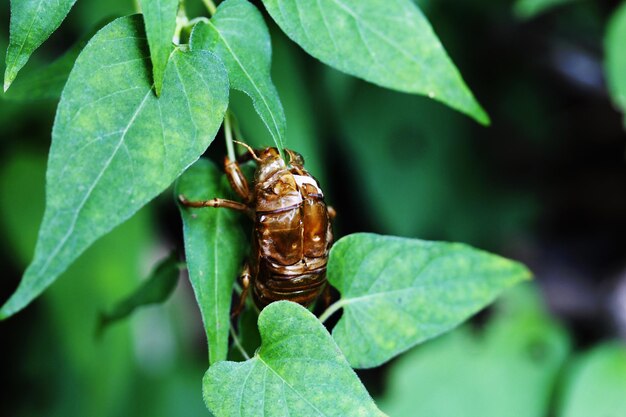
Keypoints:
(80, 374)
(527, 9)
(508, 368)
(596, 384)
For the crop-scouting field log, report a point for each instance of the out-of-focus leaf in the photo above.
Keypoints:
(298, 371)
(160, 21)
(239, 36)
(388, 43)
(85, 14)
(115, 146)
(410, 143)
(527, 9)
(47, 83)
(507, 370)
(597, 383)
(615, 63)
(398, 292)
(214, 247)
(94, 377)
(32, 21)
(155, 290)
(415, 170)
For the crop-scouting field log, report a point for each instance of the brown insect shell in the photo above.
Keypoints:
(292, 231)
(275, 186)
(278, 218)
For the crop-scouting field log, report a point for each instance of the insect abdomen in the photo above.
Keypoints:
(293, 253)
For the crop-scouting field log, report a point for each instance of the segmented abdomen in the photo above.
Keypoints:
(292, 245)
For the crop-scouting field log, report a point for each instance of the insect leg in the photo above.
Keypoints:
(237, 180)
(245, 278)
(326, 296)
(217, 202)
(332, 213)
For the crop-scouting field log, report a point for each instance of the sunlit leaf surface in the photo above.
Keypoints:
(389, 43)
(398, 292)
(298, 371)
(115, 146)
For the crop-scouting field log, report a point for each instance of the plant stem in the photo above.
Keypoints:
(228, 133)
(210, 6)
(332, 309)
(181, 22)
(238, 344)
(236, 128)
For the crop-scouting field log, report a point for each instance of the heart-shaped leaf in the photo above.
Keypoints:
(239, 36)
(115, 146)
(32, 22)
(298, 371)
(160, 20)
(389, 43)
(398, 292)
(214, 247)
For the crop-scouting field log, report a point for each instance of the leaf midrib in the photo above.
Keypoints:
(93, 186)
(285, 382)
(30, 28)
(363, 22)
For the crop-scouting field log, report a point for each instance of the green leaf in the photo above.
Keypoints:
(32, 21)
(47, 83)
(289, 73)
(115, 146)
(298, 371)
(155, 290)
(615, 64)
(214, 247)
(387, 43)
(527, 9)
(160, 20)
(509, 369)
(398, 292)
(596, 384)
(239, 36)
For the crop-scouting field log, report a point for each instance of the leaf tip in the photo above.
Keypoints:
(483, 118)
(8, 309)
(9, 76)
(480, 115)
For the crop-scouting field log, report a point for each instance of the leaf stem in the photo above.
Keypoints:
(210, 6)
(332, 309)
(238, 344)
(181, 22)
(228, 134)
